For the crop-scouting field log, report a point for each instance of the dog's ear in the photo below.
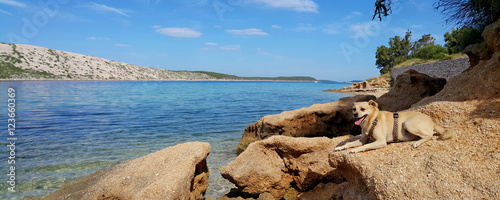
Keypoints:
(373, 103)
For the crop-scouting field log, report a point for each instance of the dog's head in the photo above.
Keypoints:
(361, 110)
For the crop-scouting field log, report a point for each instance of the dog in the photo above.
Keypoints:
(379, 127)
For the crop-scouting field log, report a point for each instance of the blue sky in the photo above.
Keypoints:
(328, 40)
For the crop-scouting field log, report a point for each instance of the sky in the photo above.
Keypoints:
(324, 39)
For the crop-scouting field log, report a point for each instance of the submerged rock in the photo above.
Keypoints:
(177, 172)
(329, 119)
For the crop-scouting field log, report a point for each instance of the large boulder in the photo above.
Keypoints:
(485, 50)
(277, 164)
(409, 88)
(329, 119)
(480, 81)
(177, 172)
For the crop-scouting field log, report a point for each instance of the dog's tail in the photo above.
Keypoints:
(444, 133)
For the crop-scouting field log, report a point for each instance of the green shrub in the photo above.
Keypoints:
(432, 52)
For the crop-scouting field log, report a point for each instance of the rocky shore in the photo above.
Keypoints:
(377, 87)
(290, 155)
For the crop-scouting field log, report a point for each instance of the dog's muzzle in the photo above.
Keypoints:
(359, 120)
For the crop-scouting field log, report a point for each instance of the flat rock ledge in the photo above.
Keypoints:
(177, 172)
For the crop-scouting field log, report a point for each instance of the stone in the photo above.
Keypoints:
(325, 191)
(278, 163)
(409, 88)
(177, 172)
(329, 119)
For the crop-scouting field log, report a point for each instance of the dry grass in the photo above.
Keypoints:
(416, 61)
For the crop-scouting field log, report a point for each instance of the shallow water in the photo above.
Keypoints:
(69, 129)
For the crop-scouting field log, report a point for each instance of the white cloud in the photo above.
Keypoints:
(211, 44)
(5, 12)
(250, 31)
(156, 26)
(332, 29)
(276, 26)
(353, 15)
(305, 28)
(122, 45)
(295, 5)
(370, 28)
(179, 32)
(399, 31)
(13, 3)
(230, 47)
(97, 38)
(104, 8)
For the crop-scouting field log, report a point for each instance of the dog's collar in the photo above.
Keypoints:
(374, 123)
(395, 130)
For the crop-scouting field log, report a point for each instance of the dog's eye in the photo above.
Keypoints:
(354, 109)
(362, 109)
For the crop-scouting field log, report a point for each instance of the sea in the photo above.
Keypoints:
(66, 130)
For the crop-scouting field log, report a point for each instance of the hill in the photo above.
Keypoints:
(27, 62)
(222, 76)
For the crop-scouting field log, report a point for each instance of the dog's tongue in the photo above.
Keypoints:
(359, 120)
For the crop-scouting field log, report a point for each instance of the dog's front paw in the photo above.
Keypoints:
(339, 148)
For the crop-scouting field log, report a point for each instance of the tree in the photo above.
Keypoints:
(382, 7)
(458, 39)
(475, 14)
(384, 60)
(426, 39)
(397, 52)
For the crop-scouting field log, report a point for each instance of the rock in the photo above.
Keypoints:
(177, 172)
(478, 82)
(485, 50)
(325, 191)
(278, 163)
(476, 53)
(409, 88)
(491, 35)
(441, 69)
(329, 119)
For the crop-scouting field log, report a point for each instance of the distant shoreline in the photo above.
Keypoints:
(371, 91)
(222, 80)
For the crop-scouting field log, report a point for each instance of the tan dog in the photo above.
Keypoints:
(410, 126)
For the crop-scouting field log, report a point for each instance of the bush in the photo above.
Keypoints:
(432, 52)
(458, 39)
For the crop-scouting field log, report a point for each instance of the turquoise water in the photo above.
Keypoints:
(69, 129)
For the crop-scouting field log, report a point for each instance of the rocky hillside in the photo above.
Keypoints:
(27, 62)
(32, 62)
(441, 69)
